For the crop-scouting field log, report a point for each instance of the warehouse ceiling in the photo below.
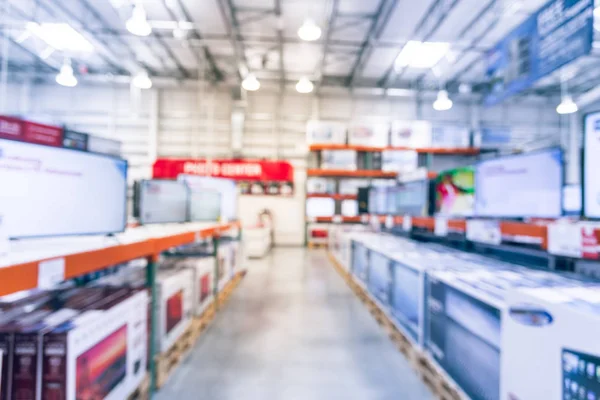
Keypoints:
(222, 40)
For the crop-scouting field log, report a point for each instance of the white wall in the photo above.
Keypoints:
(195, 122)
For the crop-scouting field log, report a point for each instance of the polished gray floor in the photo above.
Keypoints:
(293, 330)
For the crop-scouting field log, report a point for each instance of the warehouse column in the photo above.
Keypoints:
(573, 151)
(153, 125)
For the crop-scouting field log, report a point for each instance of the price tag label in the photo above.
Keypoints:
(441, 226)
(484, 231)
(389, 221)
(407, 223)
(197, 237)
(337, 219)
(50, 273)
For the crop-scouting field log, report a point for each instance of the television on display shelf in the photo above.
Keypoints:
(320, 207)
(412, 198)
(54, 191)
(162, 201)
(455, 192)
(226, 188)
(521, 185)
(591, 166)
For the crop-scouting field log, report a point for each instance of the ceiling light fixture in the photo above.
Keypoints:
(567, 106)
(60, 36)
(304, 85)
(309, 31)
(141, 80)
(65, 77)
(443, 102)
(138, 23)
(180, 32)
(422, 55)
(250, 83)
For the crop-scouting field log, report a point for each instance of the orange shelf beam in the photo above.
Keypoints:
(351, 174)
(332, 196)
(16, 278)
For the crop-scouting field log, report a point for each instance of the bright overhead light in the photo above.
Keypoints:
(138, 23)
(65, 77)
(567, 106)
(465, 88)
(443, 102)
(60, 36)
(141, 80)
(250, 83)
(424, 55)
(309, 31)
(180, 32)
(304, 85)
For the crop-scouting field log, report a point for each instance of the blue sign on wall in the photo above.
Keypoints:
(555, 35)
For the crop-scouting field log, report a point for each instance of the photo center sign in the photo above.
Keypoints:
(258, 177)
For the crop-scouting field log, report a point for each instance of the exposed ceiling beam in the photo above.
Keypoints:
(216, 72)
(489, 7)
(332, 16)
(380, 21)
(229, 16)
(429, 23)
(280, 41)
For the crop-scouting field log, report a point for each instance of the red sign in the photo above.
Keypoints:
(590, 242)
(42, 134)
(239, 170)
(11, 128)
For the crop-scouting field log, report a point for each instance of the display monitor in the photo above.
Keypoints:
(519, 186)
(226, 187)
(162, 201)
(411, 198)
(455, 192)
(205, 206)
(52, 191)
(591, 166)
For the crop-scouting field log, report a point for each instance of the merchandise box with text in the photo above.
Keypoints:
(175, 291)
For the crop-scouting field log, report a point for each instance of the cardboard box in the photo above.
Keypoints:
(102, 353)
(551, 346)
(339, 159)
(325, 132)
(369, 134)
(203, 270)
(175, 292)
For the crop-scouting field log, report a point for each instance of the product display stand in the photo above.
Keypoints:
(42, 264)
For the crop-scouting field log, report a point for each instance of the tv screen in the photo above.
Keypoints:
(523, 185)
(205, 206)
(591, 166)
(163, 201)
(455, 192)
(349, 208)
(52, 191)
(226, 187)
(411, 198)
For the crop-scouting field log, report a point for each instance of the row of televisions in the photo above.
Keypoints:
(527, 185)
(54, 191)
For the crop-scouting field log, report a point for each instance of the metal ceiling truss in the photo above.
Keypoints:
(378, 24)
(232, 26)
(332, 19)
(429, 24)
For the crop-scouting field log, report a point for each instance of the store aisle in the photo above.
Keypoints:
(294, 330)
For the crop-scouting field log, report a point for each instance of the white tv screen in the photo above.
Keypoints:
(163, 201)
(225, 187)
(51, 191)
(591, 166)
(523, 185)
(320, 207)
(205, 206)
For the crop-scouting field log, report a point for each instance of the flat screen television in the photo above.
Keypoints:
(205, 206)
(519, 186)
(320, 207)
(53, 191)
(226, 187)
(162, 201)
(591, 166)
(455, 192)
(412, 198)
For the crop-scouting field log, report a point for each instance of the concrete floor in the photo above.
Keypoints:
(294, 330)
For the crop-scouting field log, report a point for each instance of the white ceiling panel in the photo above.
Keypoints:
(404, 19)
(359, 6)
(379, 62)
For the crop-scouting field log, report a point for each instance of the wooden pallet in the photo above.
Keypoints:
(142, 392)
(166, 362)
(429, 372)
(317, 245)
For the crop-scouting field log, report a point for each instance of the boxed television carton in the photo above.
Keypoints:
(175, 291)
(464, 323)
(101, 353)
(379, 277)
(550, 345)
(366, 134)
(203, 270)
(339, 159)
(325, 132)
